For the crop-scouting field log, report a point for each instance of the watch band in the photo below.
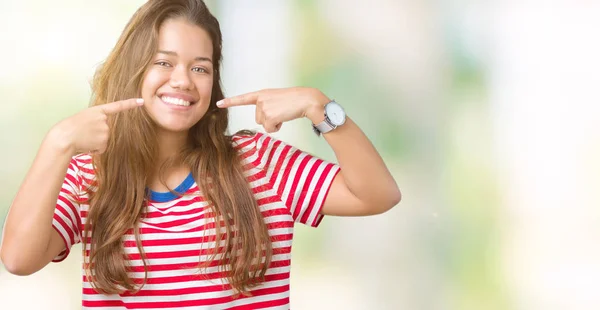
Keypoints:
(323, 127)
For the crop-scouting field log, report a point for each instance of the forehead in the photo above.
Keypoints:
(184, 38)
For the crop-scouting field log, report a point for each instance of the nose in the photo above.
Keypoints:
(180, 78)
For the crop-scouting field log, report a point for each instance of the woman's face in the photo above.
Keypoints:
(177, 87)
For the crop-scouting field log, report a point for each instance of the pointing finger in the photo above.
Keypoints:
(122, 105)
(245, 99)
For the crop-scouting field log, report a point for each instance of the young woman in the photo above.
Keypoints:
(172, 211)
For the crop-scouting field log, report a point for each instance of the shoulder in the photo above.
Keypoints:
(246, 141)
(257, 148)
(83, 160)
(82, 165)
(245, 138)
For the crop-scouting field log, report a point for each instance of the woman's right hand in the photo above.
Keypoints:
(88, 131)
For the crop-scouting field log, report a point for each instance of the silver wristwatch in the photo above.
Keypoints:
(334, 117)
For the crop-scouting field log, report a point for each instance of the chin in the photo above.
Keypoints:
(169, 122)
(175, 128)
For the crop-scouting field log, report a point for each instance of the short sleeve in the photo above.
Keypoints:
(301, 180)
(66, 220)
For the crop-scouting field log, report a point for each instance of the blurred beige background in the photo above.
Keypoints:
(486, 112)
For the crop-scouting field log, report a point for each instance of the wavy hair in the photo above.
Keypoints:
(118, 201)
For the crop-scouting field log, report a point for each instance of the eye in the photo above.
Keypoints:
(162, 63)
(199, 70)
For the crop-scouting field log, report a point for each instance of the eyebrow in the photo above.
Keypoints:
(199, 58)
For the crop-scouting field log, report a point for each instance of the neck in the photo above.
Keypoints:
(170, 144)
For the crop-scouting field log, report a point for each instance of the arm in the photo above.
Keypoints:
(29, 242)
(364, 186)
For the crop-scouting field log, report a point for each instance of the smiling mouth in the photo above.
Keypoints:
(176, 101)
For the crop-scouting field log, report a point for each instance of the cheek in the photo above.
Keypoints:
(152, 82)
(204, 89)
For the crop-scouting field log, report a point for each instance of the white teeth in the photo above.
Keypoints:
(175, 101)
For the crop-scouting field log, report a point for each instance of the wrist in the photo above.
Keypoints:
(316, 107)
(57, 139)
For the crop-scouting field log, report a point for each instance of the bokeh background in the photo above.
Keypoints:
(487, 113)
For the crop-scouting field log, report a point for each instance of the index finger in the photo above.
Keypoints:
(245, 99)
(122, 105)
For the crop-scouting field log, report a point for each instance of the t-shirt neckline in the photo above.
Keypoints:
(168, 196)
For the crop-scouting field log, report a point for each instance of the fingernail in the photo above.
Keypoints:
(139, 101)
(220, 102)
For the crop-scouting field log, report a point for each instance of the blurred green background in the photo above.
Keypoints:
(485, 111)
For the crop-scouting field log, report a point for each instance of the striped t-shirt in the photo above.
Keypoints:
(289, 186)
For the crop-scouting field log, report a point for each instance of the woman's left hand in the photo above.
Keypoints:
(275, 106)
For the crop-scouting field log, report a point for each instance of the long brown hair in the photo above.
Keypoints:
(120, 194)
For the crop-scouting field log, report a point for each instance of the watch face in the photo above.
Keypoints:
(335, 113)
